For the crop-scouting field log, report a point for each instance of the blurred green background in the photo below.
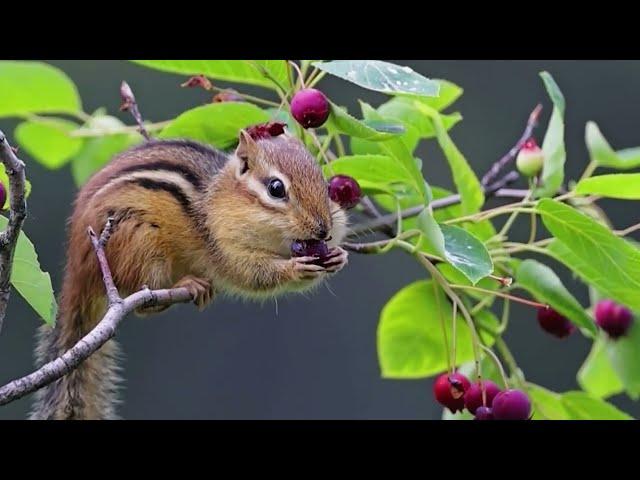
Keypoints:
(314, 356)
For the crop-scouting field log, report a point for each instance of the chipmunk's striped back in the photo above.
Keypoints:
(157, 184)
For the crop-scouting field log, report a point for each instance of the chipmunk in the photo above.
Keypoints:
(185, 215)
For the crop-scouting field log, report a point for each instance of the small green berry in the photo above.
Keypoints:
(530, 159)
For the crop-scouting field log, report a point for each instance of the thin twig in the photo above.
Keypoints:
(493, 172)
(494, 190)
(101, 333)
(129, 104)
(14, 168)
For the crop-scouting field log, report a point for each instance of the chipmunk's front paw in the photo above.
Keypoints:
(336, 260)
(200, 289)
(306, 268)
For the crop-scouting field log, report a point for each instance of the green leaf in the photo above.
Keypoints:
(466, 253)
(629, 157)
(238, 71)
(449, 93)
(396, 149)
(217, 124)
(465, 179)
(373, 172)
(35, 87)
(48, 141)
(405, 110)
(340, 121)
(432, 238)
(97, 152)
(625, 186)
(547, 405)
(483, 230)
(4, 179)
(624, 355)
(29, 280)
(545, 286)
(381, 76)
(592, 251)
(582, 406)
(603, 155)
(410, 338)
(553, 143)
(596, 375)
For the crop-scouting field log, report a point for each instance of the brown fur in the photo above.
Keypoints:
(186, 215)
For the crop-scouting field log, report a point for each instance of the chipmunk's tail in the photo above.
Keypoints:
(90, 391)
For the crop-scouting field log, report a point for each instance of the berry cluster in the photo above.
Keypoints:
(613, 318)
(456, 393)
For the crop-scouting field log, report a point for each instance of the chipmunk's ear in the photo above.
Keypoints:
(247, 151)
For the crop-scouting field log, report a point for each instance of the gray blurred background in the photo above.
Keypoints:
(315, 357)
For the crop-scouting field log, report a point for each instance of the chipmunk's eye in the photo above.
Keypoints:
(276, 188)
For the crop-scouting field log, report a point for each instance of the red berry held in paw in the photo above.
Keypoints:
(511, 405)
(613, 318)
(449, 391)
(345, 191)
(530, 158)
(310, 108)
(554, 323)
(310, 248)
(473, 395)
(484, 413)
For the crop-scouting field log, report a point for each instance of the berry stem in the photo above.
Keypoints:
(510, 221)
(500, 294)
(504, 321)
(455, 299)
(318, 77)
(588, 171)
(511, 362)
(498, 364)
(451, 365)
(454, 334)
(300, 74)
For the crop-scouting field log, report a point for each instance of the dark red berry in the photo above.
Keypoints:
(345, 191)
(511, 405)
(554, 323)
(473, 395)
(266, 130)
(3, 195)
(310, 108)
(613, 318)
(484, 413)
(449, 391)
(310, 248)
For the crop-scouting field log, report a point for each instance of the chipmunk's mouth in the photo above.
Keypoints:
(310, 248)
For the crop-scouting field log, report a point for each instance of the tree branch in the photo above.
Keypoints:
(129, 104)
(17, 213)
(490, 185)
(493, 172)
(495, 190)
(117, 309)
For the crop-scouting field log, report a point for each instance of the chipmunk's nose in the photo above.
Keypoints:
(321, 231)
